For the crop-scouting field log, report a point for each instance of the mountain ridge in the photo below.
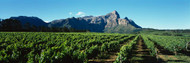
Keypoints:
(98, 23)
(110, 23)
(30, 20)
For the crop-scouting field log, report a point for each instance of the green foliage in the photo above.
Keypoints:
(10, 25)
(171, 43)
(125, 51)
(48, 47)
(149, 45)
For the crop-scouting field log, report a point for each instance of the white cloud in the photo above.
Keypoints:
(80, 14)
(70, 13)
(46, 21)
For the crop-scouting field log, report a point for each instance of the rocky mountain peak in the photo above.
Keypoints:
(113, 14)
(126, 18)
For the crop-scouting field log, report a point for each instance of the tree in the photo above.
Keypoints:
(65, 29)
(27, 26)
(34, 28)
(0, 25)
(43, 29)
(11, 25)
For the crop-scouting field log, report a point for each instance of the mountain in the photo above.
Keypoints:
(25, 20)
(110, 23)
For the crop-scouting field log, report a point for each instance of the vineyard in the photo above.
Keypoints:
(59, 47)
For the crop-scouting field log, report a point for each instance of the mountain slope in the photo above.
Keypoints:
(31, 20)
(110, 22)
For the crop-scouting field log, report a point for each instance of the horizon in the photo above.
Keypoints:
(157, 14)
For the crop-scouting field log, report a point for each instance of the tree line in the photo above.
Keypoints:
(12, 25)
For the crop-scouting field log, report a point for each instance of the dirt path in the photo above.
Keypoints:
(141, 54)
(112, 55)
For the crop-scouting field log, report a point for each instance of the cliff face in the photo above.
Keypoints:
(111, 19)
(110, 22)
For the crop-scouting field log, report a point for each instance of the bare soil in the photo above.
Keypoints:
(141, 54)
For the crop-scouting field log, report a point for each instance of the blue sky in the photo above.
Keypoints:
(159, 14)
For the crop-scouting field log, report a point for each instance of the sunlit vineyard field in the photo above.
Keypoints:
(61, 47)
